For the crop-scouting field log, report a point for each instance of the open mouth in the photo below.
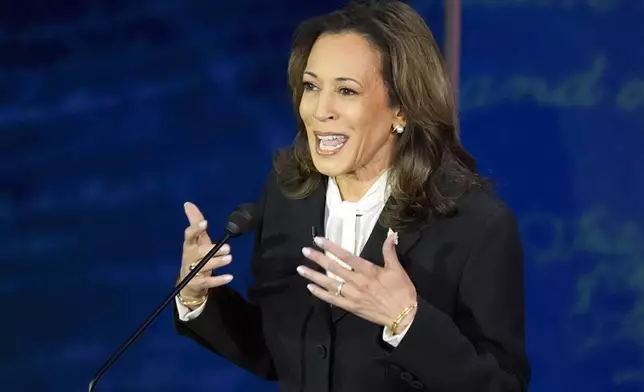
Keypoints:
(330, 143)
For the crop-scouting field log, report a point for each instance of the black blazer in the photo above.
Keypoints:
(467, 335)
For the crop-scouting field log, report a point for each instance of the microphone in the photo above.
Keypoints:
(242, 220)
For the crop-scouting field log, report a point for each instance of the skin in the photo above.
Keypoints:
(344, 94)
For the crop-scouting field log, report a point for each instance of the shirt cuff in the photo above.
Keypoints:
(185, 314)
(395, 339)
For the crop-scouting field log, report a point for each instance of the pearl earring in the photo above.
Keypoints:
(399, 129)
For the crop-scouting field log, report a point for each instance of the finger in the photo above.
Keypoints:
(211, 265)
(195, 217)
(327, 282)
(389, 251)
(216, 262)
(209, 282)
(196, 234)
(355, 262)
(220, 258)
(335, 300)
(328, 264)
(204, 249)
(193, 213)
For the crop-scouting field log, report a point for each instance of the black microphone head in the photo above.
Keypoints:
(243, 219)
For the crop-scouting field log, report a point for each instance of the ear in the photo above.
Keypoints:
(400, 118)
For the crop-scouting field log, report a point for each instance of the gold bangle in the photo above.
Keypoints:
(400, 316)
(193, 302)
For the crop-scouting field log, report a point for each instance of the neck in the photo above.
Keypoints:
(353, 186)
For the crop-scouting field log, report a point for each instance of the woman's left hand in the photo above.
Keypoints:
(375, 293)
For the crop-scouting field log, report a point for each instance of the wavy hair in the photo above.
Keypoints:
(430, 168)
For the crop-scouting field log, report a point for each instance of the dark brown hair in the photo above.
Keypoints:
(430, 168)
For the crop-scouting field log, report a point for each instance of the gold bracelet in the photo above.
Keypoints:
(400, 316)
(194, 302)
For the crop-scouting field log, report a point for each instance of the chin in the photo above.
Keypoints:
(328, 169)
(331, 166)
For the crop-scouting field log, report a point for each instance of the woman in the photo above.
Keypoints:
(415, 280)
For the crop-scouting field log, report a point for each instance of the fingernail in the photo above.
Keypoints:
(203, 224)
(227, 278)
(318, 240)
(300, 270)
(227, 258)
(306, 251)
(310, 287)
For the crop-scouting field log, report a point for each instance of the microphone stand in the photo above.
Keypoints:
(155, 314)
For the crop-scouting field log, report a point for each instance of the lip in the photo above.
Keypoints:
(328, 153)
(318, 134)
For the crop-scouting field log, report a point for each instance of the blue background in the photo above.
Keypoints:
(113, 113)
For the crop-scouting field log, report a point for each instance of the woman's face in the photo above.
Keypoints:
(345, 108)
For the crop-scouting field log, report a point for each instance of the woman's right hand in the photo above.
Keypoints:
(195, 246)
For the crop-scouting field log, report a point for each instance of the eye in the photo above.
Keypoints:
(309, 86)
(347, 91)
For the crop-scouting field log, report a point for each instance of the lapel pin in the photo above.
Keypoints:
(391, 232)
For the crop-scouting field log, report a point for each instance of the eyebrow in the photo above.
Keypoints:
(340, 79)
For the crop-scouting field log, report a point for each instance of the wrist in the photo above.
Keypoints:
(191, 301)
(403, 319)
(406, 320)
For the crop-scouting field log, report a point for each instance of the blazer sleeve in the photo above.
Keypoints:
(231, 326)
(482, 347)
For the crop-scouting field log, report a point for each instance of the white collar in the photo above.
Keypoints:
(341, 221)
(375, 197)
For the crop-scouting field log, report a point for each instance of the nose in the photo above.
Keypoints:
(324, 107)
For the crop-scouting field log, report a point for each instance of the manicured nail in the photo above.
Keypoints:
(300, 270)
(203, 224)
(318, 240)
(306, 251)
(227, 278)
(310, 287)
(227, 259)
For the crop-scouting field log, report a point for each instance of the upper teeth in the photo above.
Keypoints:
(332, 137)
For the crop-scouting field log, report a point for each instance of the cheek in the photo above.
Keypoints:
(305, 109)
(374, 140)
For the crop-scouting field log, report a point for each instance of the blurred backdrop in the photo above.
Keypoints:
(113, 113)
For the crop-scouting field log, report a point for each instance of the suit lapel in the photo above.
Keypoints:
(372, 252)
(310, 212)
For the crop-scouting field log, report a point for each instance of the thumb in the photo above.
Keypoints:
(192, 212)
(389, 250)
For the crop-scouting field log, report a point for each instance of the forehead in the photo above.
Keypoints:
(346, 54)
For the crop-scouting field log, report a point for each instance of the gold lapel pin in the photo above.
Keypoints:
(391, 232)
